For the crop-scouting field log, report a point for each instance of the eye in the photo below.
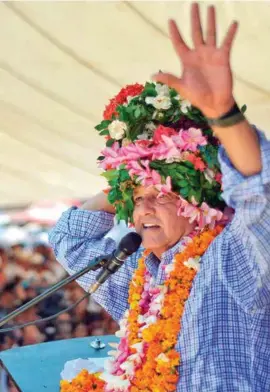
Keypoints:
(138, 199)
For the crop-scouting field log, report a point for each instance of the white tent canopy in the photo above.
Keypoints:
(62, 61)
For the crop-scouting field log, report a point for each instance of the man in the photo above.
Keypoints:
(222, 334)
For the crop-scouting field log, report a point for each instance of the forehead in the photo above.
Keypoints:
(142, 190)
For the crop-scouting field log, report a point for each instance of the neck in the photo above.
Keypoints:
(158, 252)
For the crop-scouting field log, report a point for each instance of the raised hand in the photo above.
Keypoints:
(206, 80)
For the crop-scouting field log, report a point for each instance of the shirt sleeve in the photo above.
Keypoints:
(82, 235)
(250, 197)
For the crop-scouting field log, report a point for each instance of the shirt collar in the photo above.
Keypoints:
(156, 266)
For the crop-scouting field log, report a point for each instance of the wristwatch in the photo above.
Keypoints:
(232, 117)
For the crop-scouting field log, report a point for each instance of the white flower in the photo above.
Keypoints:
(185, 105)
(143, 136)
(120, 333)
(128, 367)
(209, 175)
(160, 102)
(126, 142)
(138, 347)
(117, 129)
(151, 320)
(113, 353)
(162, 357)
(141, 319)
(169, 268)
(150, 126)
(162, 89)
(193, 263)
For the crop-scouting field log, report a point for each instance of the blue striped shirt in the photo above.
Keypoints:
(225, 336)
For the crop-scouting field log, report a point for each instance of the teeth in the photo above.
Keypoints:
(149, 225)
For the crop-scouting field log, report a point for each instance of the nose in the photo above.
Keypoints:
(148, 206)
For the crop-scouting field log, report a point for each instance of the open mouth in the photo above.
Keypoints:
(149, 226)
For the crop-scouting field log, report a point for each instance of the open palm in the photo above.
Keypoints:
(206, 80)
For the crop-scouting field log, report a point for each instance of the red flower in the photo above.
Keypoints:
(163, 131)
(218, 178)
(197, 162)
(128, 91)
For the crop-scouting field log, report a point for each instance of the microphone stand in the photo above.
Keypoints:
(92, 266)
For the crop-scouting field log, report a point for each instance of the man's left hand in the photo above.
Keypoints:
(207, 77)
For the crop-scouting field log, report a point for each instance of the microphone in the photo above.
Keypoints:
(127, 246)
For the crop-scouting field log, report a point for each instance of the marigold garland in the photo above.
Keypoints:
(159, 368)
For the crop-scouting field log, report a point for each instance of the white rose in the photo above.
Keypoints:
(160, 102)
(185, 105)
(162, 89)
(117, 129)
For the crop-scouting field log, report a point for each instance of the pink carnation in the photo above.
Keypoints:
(193, 138)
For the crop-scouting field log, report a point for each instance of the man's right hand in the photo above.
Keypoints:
(98, 202)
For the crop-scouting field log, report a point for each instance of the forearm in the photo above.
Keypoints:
(242, 146)
(240, 142)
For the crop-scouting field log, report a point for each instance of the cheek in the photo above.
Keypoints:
(170, 219)
(136, 219)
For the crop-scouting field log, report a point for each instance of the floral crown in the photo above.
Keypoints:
(154, 137)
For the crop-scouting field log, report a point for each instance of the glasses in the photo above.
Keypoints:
(155, 199)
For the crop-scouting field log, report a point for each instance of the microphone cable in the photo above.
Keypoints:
(42, 320)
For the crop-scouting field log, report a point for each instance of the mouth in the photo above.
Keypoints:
(150, 226)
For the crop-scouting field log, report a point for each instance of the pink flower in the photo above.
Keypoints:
(112, 157)
(167, 150)
(193, 138)
(166, 188)
(209, 216)
(218, 178)
(190, 211)
(163, 131)
(146, 176)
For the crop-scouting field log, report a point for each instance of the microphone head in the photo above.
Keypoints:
(130, 243)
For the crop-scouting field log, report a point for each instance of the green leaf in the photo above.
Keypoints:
(243, 109)
(183, 183)
(137, 112)
(184, 192)
(124, 176)
(104, 124)
(110, 142)
(110, 174)
(100, 158)
(104, 132)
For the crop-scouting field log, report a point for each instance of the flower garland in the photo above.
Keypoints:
(146, 359)
(83, 382)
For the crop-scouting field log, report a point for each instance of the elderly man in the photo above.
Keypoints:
(208, 332)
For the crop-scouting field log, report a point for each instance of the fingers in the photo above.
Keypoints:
(229, 38)
(196, 26)
(178, 43)
(168, 79)
(211, 36)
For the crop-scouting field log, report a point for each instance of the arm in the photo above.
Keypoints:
(78, 237)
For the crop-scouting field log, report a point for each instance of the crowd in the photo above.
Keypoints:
(27, 270)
